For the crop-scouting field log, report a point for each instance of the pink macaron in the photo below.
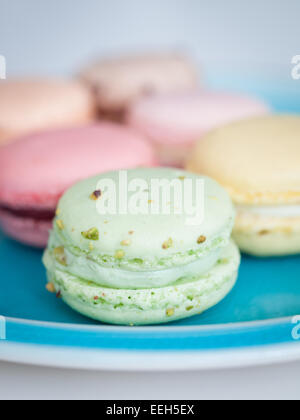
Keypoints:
(174, 122)
(36, 171)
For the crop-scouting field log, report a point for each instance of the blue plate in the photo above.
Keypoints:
(254, 324)
(258, 323)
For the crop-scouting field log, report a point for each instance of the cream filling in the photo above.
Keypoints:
(271, 211)
(82, 267)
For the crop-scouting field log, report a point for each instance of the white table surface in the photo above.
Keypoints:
(28, 382)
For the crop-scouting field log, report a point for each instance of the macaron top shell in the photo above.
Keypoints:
(143, 240)
(118, 82)
(36, 170)
(183, 118)
(257, 160)
(28, 105)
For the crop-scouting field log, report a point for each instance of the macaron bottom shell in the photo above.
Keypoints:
(149, 306)
(264, 236)
(268, 243)
(25, 230)
(271, 244)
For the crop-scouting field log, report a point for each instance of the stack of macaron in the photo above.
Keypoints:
(37, 170)
(161, 97)
(143, 263)
(60, 138)
(258, 162)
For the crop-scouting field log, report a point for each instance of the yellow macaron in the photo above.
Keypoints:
(258, 161)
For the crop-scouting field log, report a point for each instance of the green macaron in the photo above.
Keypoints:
(144, 246)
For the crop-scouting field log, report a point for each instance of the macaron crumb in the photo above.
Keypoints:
(170, 312)
(60, 256)
(119, 305)
(131, 232)
(201, 239)
(91, 234)
(119, 254)
(264, 232)
(168, 244)
(96, 195)
(50, 287)
(60, 224)
(223, 261)
(126, 242)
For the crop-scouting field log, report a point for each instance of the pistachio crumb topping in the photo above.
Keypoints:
(264, 232)
(60, 224)
(96, 195)
(170, 312)
(189, 308)
(182, 178)
(91, 234)
(91, 246)
(58, 211)
(131, 232)
(168, 244)
(126, 242)
(119, 254)
(50, 287)
(223, 261)
(201, 239)
(60, 256)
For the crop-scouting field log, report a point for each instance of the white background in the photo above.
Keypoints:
(57, 37)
